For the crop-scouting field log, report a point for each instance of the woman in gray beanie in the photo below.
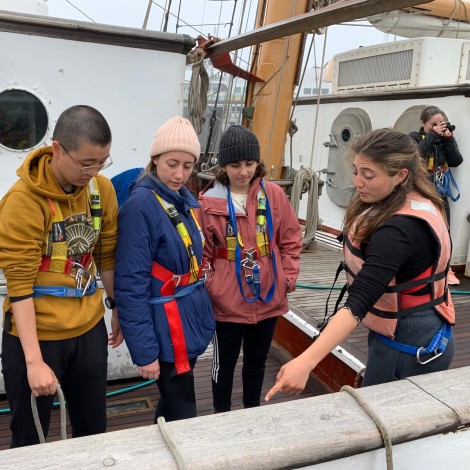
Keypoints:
(253, 240)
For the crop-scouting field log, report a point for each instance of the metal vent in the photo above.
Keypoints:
(378, 69)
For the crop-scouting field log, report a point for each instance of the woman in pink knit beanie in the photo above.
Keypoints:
(164, 309)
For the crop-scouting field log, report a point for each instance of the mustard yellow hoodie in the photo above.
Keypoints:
(25, 233)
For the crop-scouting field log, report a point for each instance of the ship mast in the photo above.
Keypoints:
(276, 57)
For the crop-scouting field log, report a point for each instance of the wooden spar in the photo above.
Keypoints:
(327, 16)
(445, 9)
(293, 434)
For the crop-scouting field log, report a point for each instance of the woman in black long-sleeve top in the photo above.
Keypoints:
(437, 145)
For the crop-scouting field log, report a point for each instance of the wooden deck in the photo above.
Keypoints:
(318, 267)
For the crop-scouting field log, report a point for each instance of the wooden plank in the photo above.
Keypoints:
(132, 420)
(287, 435)
(95, 33)
(337, 13)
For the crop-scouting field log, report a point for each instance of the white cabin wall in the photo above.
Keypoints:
(383, 114)
(432, 71)
(135, 89)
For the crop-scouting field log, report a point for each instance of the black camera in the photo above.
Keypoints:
(450, 126)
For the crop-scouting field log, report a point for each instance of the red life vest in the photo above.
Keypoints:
(397, 302)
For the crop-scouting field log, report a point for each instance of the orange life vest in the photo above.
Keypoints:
(397, 302)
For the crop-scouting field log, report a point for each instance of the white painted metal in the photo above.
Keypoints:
(442, 69)
(135, 89)
(33, 7)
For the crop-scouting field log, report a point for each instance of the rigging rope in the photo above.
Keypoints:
(378, 422)
(199, 85)
(63, 417)
(306, 180)
(170, 441)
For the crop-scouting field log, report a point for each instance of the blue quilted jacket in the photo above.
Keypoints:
(146, 234)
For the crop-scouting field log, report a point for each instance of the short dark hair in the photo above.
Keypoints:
(80, 124)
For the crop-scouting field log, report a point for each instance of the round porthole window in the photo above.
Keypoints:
(346, 135)
(23, 120)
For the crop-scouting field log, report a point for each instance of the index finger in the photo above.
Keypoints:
(274, 390)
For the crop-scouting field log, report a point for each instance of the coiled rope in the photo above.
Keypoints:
(198, 88)
(63, 417)
(378, 422)
(171, 443)
(306, 180)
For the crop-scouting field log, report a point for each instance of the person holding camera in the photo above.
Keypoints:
(437, 146)
(439, 149)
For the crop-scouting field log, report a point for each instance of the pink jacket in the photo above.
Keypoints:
(228, 303)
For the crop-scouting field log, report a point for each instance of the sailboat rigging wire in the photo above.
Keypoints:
(166, 15)
(78, 9)
(147, 14)
(318, 98)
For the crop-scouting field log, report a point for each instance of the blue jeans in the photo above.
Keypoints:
(385, 364)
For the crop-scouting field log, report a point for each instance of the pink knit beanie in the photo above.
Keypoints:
(176, 134)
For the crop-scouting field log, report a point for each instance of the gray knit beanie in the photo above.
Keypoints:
(237, 144)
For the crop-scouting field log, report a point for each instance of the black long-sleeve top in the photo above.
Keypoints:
(403, 247)
(444, 149)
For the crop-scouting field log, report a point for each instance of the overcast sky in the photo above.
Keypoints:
(197, 13)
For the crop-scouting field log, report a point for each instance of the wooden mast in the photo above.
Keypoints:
(276, 62)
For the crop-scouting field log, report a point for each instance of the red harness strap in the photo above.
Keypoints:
(172, 280)
(85, 261)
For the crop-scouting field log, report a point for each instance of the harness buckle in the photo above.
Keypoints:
(436, 355)
(176, 278)
(205, 270)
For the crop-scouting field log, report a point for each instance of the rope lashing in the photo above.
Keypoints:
(306, 179)
(63, 417)
(198, 88)
(378, 422)
(171, 443)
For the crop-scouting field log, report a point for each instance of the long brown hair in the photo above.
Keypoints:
(222, 177)
(392, 151)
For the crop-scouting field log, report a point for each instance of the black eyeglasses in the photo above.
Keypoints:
(89, 169)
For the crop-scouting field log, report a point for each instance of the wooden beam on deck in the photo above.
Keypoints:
(337, 13)
(289, 435)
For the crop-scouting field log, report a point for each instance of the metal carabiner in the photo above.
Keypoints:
(81, 273)
(436, 355)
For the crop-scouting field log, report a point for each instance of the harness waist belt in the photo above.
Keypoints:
(437, 345)
(225, 253)
(63, 291)
(168, 299)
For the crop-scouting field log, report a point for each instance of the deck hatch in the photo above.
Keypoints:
(130, 406)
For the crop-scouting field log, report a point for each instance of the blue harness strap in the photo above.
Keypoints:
(443, 182)
(63, 291)
(181, 293)
(254, 281)
(437, 346)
